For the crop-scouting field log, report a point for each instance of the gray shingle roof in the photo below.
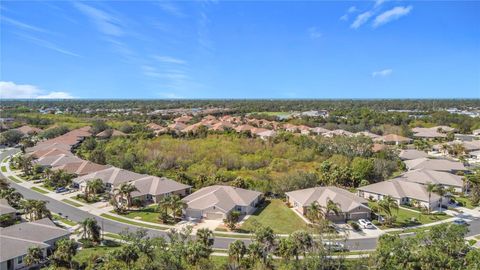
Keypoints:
(398, 188)
(434, 164)
(156, 186)
(408, 154)
(423, 176)
(113, 175)
(5, 208)
(346, 200)
(222, 197)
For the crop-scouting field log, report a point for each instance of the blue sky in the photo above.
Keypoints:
(226, 49)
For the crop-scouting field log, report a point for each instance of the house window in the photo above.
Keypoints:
(20, 260)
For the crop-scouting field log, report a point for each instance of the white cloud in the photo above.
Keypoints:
(169, 60)
(361, 19)
(105, 22)
(352, 9)
(382, 73)
(11, 90)
(171, 8)
(379, 2)
(23, 25)
(314, 33)
(391, 15)
(49, 45)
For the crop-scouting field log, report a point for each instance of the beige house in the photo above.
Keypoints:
(81, 167)
(351, 206)
(55, 161)
(444, 165)
(216, 202)
(424, 176)
(111, 177)
(404, 192)
(16, 239)
(409, 154)
(152, 188)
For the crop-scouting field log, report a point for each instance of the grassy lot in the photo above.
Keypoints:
(64, 220)
(276, 215)
(72, 203)
(131, 222)
(40, 190)
(87, 254)
(14, 179)
(4, 169)
(465, 201)
(404, 218)
(146, 214)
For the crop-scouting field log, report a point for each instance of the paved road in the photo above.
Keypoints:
(78, 215)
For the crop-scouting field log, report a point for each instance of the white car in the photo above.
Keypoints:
(365, 224)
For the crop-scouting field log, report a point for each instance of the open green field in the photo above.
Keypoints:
(278, 216)
(131, 222)
(39, 190)
(72, 203)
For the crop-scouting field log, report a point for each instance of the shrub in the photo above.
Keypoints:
(354, 225)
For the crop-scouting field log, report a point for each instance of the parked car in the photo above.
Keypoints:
(366, 224)
(460, 221)
(61, 190)
(334, 246)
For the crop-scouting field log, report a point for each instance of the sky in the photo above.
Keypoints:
(239, 49)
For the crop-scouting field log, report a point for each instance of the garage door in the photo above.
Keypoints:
(214, 215)
(194, 213)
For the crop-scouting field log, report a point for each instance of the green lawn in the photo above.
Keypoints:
(278, 216)
(146, 214)
(45, 186)
(465, 201)
(64, 220)
(14, 179)
(40, 190)
(404, 218)
(4, 169)
(131, 222)
(87, 254)
(72, 203)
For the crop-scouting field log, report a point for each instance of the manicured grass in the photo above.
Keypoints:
(14, 179)
(147, 214)
(4, 169)
(72, 203)
(40, 190)
(404, 218)
(414, 230)
(226, 235)
(465, 201)
(45, 186)
(131, 222)
(87, 254)
(276, 215)
(64, 220)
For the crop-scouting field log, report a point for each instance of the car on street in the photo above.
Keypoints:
(366, 224)
(334, 246)
(460, 221)
(61, 190)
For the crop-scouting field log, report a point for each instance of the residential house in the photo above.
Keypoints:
(425, 176)
(111, 178)
(80, 168)
(55, 161)
(152, 188)
(393, 139)
(319, 130)
(108, 133)
(367, 134)
(338, 132)
(409, 154)
(216, 202)
(351, 206)
(435, 165)
(16, 239)
(404, 192)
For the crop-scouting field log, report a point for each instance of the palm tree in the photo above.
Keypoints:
(163, 206)
(286, 249)
(255, 252)
(64, 252)
(314, 212)
(303, 240)
(36, 209)
(34, 256)
(177, 205)
(331, 207)
(236, 251)
(125, 192)
(440, 191)
(12, 196)
(387, 204)
(205, 236)
(430, 188)
(91, 230)
(93, 187)
(231, 220)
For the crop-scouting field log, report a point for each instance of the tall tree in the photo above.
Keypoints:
(430, 189)
(34, 256)
(236, 251)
